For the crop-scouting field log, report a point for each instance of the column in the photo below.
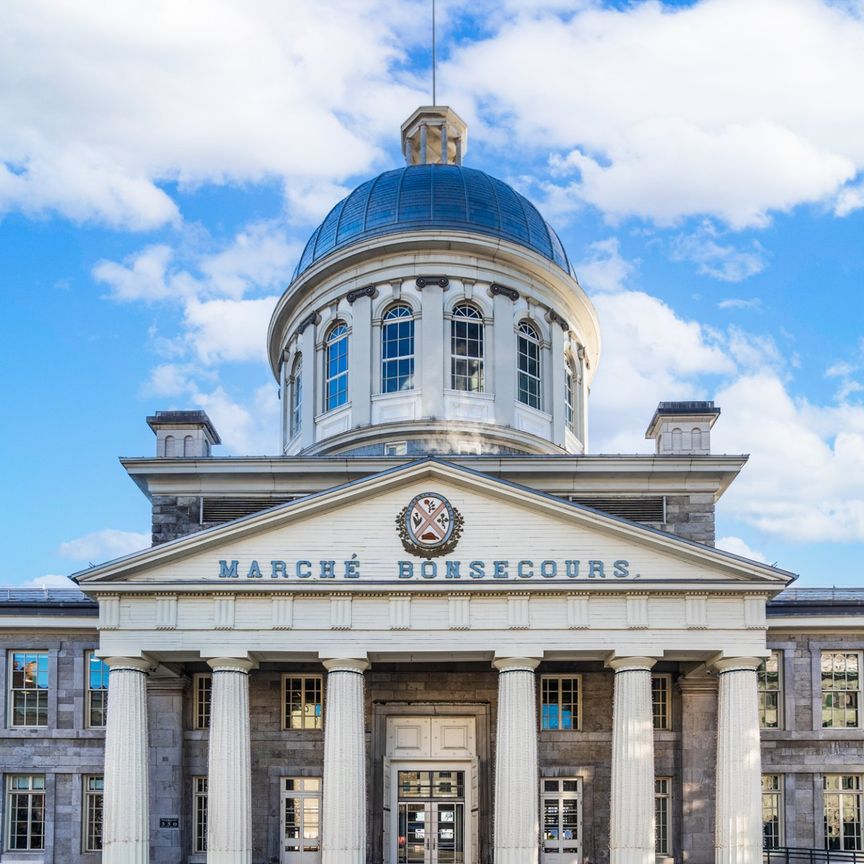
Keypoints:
(126, 829)
(435, 350)
(360, 369)
(738, 818)
(229, 783)
(516, 777)
(343, 820)
(631, 820)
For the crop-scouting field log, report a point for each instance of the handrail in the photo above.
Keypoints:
(803, 855)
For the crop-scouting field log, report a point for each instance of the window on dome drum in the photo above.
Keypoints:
(570, 401)
(397, 349)
(25, 809)
(466, 349)
(841, 689)
(560, 702)
(94, 789)
(561, 809)
(661, 688)
(28, 692)
(662, 815)
(296, 395)
(199, 814)
(528, 390)
(843, 805)
(202, 688)
(772, 811)
(97, 690)
(336, 367)
(302, 701)
(770, 691)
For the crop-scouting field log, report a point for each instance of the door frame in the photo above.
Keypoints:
(283, 794)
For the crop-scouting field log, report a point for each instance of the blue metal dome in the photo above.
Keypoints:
(433, 197)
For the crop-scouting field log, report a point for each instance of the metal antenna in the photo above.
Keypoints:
(434, 102)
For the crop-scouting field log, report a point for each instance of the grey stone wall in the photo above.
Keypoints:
(176, 516)
(691, 517)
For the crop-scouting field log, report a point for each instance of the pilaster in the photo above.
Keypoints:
(504, 373)
(360, 367)
(310, 388)
(432, 348)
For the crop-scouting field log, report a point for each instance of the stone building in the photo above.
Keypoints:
(435, 629)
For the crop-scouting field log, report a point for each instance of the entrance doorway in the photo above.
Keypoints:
(430, 817)
(301, 820)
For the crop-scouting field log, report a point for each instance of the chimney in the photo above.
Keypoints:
(187, 434)
(683, 428)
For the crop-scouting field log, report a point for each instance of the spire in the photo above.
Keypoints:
(434, 134)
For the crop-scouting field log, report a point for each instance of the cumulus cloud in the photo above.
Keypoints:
(737, 546)
(740, 303)
(103, 545)
(48, 581)
(723, 261)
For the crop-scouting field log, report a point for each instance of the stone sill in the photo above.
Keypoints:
(22, 858)
(811, 734)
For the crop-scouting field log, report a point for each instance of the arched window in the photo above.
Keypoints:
(296, 394)
(696, 439)
(466, 349)
(571, 400)
(397, 350)
(336, 367)
(188, 443)
(528, 386)
(169, 446)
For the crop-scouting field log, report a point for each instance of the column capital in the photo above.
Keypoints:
(129, 664)
(231, 664)
(736, 664)
(516, 664)
(346, 664)
(631, 664)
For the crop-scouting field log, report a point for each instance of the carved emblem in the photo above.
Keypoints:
(429, 526)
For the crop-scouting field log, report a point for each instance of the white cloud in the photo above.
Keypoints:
(740, 303)
(605, 269)
(246, 430)
(141, 276)
(716, 259)
(103, 545)
(737, 546)
(228, 330)
(49, 580)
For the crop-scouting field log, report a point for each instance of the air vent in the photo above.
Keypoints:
(226, 509)
(648, 509)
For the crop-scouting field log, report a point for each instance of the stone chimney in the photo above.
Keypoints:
(434, 134)
(181, 434)
(683, 428)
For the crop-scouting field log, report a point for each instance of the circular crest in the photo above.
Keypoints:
(429, 526)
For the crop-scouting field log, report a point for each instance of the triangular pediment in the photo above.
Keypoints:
(511, 537)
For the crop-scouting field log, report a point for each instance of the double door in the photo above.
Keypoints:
(430, 815)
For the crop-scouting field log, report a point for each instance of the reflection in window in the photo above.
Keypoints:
(301, 816)
(25, 806)
(94, 789)
(560, 802)
(559, 702)
(841, 689)
(97, 690)
(772, 811)
(571, 382)
(199, 814)
(660, 701)
(397, 350)
(466, 349)
(528, 390)
(303, 701)
(769, 691)
(336, 367)
(29, 688)
(842, 794)
(662, 815)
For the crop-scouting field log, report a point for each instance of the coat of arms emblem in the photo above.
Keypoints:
(429, 526)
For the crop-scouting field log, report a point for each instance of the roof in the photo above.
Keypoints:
(433, 197)
(817, 601)
(46, 601)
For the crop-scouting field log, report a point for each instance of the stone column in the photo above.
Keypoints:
(343, 820)
(631, 821)
(738, 819)
(229, 783)
(516, 777)
(126, 829)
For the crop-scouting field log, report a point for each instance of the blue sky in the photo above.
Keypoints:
(162, 164)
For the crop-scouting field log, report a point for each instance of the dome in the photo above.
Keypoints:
(433, 197)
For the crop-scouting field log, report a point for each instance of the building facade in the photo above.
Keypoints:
(435, 629)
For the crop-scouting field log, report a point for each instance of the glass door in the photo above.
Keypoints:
(431, 817)
(301, 820)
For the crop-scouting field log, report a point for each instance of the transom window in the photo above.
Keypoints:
(528, 391)
(466, 349)
(770, 690)
(296, 395)
(199, 814)
(303, 701)
(661, 701)
(97, 690)
(25, 806)
(397, 349)
(94, 793)
(842, 794)
(559, 701)
(561, 815)
(28, 693)
(841, 689)
(662, 815)
(202, 685)
(336, 367)
(772, 811)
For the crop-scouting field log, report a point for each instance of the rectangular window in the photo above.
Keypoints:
(559, 701)
(96, 670)
(28, 691)
(94, 790)
(25, 806)
(772, 811)
(303, 701)
(843, 812)
(202, 684)
(841, 689)
(770, 674)
(561, 815)
(199, 814)
(661, 690)
(301, 818)
(662, 815)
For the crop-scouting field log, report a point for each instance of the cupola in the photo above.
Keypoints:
(434, 135)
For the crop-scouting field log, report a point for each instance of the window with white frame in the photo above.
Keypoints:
(202, 689)
(772, 811)
(25, 812)
(336, 366)
(770, 675)
(28, 688)
(466, 349)
(528, 353)
(661, 701)
(94, 796)
(663, 816)
(96, 670)
(199, 815)
(561, 815)
(301, 817)
(570, 400)
(559, 701)
(397, 349)
(843, 801)
(296, 403)
(302, 701)
(841, 689)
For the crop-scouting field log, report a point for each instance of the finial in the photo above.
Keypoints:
(434, 134)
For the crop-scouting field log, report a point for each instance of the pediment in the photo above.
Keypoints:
(511, 537)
